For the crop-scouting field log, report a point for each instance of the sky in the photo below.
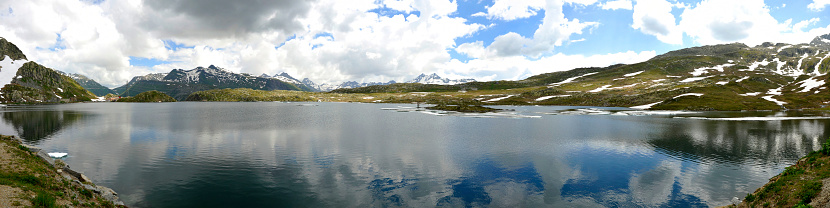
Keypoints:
(331, 41)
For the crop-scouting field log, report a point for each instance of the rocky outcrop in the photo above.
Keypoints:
(77, 179)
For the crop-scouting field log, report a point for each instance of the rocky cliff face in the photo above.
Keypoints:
(35, 83)
(28, 82)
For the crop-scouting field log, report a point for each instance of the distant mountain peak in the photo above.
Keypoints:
(435, 79)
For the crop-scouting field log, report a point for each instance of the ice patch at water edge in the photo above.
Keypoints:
(8, 69)
(758, 118)
(644, 107)
(57, 154)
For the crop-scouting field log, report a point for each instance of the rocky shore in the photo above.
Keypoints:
(805, 184)
(30, 178)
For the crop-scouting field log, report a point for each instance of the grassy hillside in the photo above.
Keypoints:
(716, 77)
(800, 185)
(148, 97)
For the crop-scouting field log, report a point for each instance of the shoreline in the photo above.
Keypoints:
(37, 180)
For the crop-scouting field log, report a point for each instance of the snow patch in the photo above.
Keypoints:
(742, 79)
(600, 89)
(722, 83)
(552, 96)
(501, 98)
(811, 83)
(777, 102)
(755, 65)
(569, 80)
(750, 94)
(801, 61)
(688, 94)
(816, 72)
(8, 70)
(633, 74)
(784, 47)
(704, 70)
(608, 87)
(693, 79)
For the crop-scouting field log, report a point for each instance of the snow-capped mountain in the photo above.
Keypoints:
(325, 87)
(435, 79)
(287, 78)
(179, 83)
(353, 84)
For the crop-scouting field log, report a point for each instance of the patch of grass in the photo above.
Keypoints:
(44, 199)
(797, 185)
(148, 96)
(86, 193)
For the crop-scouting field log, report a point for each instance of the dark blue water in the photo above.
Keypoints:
(357, 155)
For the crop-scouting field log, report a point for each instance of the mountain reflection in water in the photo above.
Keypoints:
(357, 155)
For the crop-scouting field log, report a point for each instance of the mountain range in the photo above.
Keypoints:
(180, 83)
(770, 76)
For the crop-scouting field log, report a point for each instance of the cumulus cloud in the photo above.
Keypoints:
(520, 67)
(750, 22)
(555, 30)
(654, 17)
(818, 5)
(513, 9)
(617, 4)
(74, 36)
(222, 19)
(361, 40)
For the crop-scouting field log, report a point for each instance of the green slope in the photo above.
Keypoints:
(716, 77)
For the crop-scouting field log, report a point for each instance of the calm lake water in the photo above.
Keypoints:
(357, 155)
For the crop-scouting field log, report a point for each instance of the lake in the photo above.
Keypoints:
(270, 154)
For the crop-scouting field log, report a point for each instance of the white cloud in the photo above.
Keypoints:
(555, 30)
(75, 36)
(519, 67)
(617, 4)
(514, 9)
(654, 17)
(749, 22)
(370, 47)
(818, 5)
